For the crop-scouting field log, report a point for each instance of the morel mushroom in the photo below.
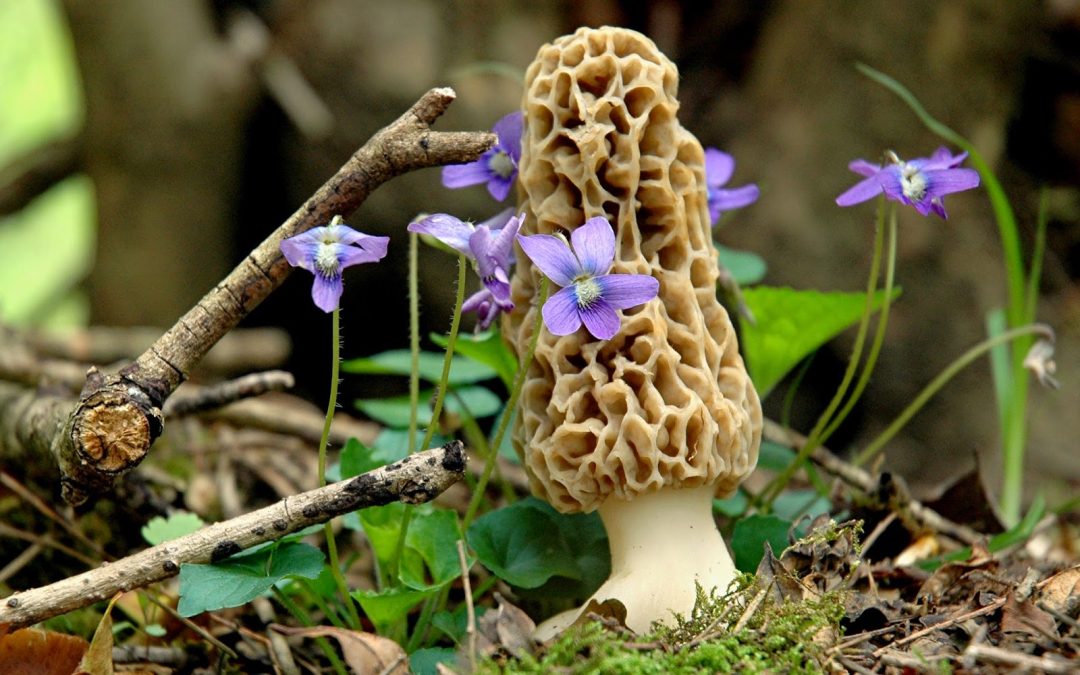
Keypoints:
(649, 425)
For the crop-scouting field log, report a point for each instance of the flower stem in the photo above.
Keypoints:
(879, 332)
(1015, 422)
(414, 338)
(305, 620)
(331, 544)
(508, 412)
(814, 439)
(942, 379)
(436, 408)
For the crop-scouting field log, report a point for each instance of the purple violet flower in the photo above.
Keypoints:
(497, 167)
(490, 246)
(921, 183)
(326, 251)
(486, 306)
(719, 166)
(589, 295)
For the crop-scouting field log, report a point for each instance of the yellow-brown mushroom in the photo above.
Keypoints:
(648, 426)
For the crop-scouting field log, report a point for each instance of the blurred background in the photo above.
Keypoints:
(147, 145)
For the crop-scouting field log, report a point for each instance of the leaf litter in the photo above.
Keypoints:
(825, 605)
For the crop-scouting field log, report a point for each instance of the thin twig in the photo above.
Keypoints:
(415, 479)
(29, 176)
(20, 561)
(750, 609)
(1025, 662)
(952, 621)
(28, 495)
(853, 667)
(189, 400)
(858, 478)
(470, 625)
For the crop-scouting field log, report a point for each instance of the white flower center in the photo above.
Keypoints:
(326, 260)
(501, 164)
(587, 291)
(912, 182)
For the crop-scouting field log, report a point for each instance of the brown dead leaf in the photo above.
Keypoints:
(1060, 591)
(1024, 617)
(507, 627)
(38, 652)
(966, 500)
(826, 558)
(611, 610)
(365, 653)
(98, 658)
(948, 584)
(514, 628)
(926, 546)
(772, 574)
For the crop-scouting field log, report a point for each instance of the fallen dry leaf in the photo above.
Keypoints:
(926, 546)
(1024, 617)
(98, 658)
(365, 653)
(38, 652)
(1061, 591)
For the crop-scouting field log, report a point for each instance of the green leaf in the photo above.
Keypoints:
(382, 525)
(426, 661)
(751, 533)
(732, 506)
(399, 362)
(791, 324)
(506, 448)
(774, 457)
(392, 445)
(488, 348)
(528, 543)
(357, 458)
(242, 578)
(390, 605)
(394, 411)
(455, 623)
(433, 539)
(746, 267)
(177, 525)
(794, 504)
(480, 402)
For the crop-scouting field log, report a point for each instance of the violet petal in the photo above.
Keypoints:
(868, 188)
(464, 175)
(449, 230)
(561, 312)
(719, 166)
(600, 319)
(622, 291)
(594, 245)
(326, 292)
(552, 256)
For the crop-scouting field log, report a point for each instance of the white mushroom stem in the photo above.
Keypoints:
(661, 544)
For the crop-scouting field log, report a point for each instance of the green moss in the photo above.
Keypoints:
(788, 637)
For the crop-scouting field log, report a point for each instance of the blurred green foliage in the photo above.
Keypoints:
(47, 249)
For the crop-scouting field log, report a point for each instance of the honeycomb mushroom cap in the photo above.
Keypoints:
(667, 401)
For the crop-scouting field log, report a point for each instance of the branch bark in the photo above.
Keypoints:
(29, 176)
(416, 479)
(118, 417)
(907, 507)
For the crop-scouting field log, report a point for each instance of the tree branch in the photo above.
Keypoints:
(118, 417)
(27, 177)
(416, 479)
(907, 507)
